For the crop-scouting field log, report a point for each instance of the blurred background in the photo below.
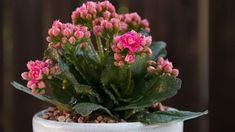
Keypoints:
(201, 42)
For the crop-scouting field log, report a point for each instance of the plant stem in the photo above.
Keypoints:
(128, 82)
(107, 46)
(93, 49)
(100, 47)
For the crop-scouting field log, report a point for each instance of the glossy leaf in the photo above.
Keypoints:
(158, 49)
(159, 89)
(42, 97)
(166, 116)
(86, 109)
(80, 89)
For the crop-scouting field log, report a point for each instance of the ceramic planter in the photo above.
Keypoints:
(43, 125)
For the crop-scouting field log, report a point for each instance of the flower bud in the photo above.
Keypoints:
(151, 69)
(117, 56)
(72, 40)
(130, 59)
(41, 84)
(25, 76)
(175, 72)
(55, 31)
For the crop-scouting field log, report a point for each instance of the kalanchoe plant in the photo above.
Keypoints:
(105, 63)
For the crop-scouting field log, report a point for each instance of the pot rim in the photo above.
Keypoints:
(37, 118)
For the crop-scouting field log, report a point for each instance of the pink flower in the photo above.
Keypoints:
(72, 40)
(30, 64)
(145, 22)
(78, 34)
(45, 70)
(130, 59)
(55, 31)
(107, 14)
(25, 75)
(147, 41)
(41, 84)
(35, 74)
(82, 45)
(175, 72)
(131, 40)
(117, 56)
(98, 30)
(57, 24)
(163, 66)
(67, 32)
(32, 84)
(115, 49)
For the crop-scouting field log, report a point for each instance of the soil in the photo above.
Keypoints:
(55, 114)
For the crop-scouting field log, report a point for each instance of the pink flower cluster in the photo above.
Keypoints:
(91, 10)
(103, 18)
(37, 71)
(162, 66)
(134, 20)
(60, 34)
(128, 45)
(103, 25)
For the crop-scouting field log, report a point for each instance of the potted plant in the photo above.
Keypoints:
(102, 72)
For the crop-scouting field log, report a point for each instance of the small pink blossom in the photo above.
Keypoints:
(175, 72)
(163, 66)
(118, 57)
(37, 70)
(82, 45)
(66, 33)
(72, 40)
(78, 34)
(41, 84)
(130, 45)
(131, 40)
(32, 84)
(107, 14)
(25, 75)
(130, 59)
(55, 31)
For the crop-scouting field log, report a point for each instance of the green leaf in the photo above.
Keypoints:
(139, 68)
(158, 88)
(114, 75)
(80, 89)
(86, 109)
(166, 116)
(42, 97)
(88, 64)
(110, 94)
(62, 95)
(89, 90)
(159, 49)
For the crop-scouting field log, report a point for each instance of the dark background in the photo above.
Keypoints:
(201, 42)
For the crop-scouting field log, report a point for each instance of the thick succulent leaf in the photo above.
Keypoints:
(45, 98)
(88, 63)
(159, 89)
(86, 109)
(159, 49)
(114, 75)
(88, 90)
(139, 68)
(166, 116)
(80, 89)
(110, 94)
(62, 95)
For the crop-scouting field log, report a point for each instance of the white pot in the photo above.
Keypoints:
(43, 125)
